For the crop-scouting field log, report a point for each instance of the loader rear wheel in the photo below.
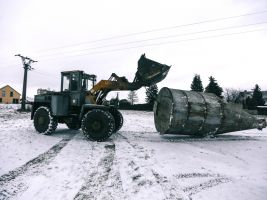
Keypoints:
(98, 125)
(43, 121)
(118, 118)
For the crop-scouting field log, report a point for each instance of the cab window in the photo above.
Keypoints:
(66, 82)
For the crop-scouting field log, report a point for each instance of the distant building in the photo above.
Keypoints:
(244, 95)
(42, 91)
(9, 95)
(264, 96)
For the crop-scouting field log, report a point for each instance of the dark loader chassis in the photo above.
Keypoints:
(97, 124)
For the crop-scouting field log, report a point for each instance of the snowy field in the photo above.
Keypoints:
(136, 163)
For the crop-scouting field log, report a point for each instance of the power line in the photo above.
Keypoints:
(158, 44)
(157, 38)
(154, 30)
(8, 66)
(44, 74)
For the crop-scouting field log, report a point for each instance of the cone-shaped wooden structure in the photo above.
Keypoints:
(195, 113)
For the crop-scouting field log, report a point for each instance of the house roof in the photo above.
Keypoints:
(11, 88)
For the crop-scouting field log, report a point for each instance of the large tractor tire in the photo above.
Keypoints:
(43, 121)
(98, 125)
(75, 124)
(118, 119)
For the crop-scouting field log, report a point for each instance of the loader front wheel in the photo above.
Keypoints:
(118, 118)
(43, 121)
(98, 125)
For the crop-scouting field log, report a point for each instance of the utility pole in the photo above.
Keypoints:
(27, 66)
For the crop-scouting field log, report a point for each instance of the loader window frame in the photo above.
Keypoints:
(65, 82)
(71, 81)
(90, 80)
(84, 83)
(74, 82)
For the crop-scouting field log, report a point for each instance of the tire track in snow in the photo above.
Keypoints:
(173, 190)
(8, 184)
(136, 179)
(170, 189)
(216, 179)
(191, 190)
(103, 178)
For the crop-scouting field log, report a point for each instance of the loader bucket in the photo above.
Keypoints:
(150, 72)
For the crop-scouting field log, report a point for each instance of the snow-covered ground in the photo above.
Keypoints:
(136, 163)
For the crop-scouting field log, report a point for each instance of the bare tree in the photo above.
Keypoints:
(231, 95)
(132, 97)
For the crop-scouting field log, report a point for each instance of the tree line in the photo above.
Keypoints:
(229, 95)
(132, 100)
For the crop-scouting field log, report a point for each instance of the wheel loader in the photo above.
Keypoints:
(78, 106)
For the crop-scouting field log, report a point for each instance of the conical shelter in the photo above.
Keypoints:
(195, 113)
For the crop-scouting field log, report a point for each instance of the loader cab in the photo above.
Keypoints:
(73, 81)
(74, 86)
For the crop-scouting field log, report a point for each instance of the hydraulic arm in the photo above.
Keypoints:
(148, 73)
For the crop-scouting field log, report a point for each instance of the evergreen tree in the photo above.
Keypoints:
(151, 94)
(132, 97)
(256, 99)
(196, 84)
(213, 87)
(250, 103)
(257, 95)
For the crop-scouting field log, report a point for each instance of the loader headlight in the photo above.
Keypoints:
(74, 101)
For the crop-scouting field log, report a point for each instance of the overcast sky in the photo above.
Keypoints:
(105, 36)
